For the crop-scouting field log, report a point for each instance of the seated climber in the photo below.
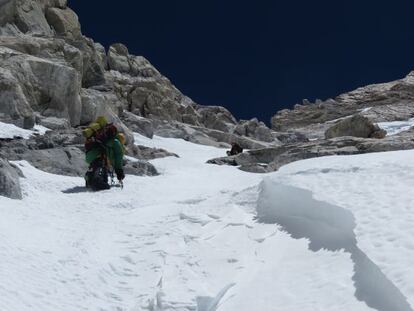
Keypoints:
(235, 149)
(104, 154)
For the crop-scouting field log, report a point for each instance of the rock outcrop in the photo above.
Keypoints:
(9, 181)
(390, 101)
(271, 159)
(356, 126)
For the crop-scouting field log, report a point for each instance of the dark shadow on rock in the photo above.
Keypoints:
(328, 227)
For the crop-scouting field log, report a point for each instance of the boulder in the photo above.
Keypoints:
(138, 124)
(65, 22)
(120, 60)
(255, 129)
(25, 17)
(356, 126)
(54, 123)
(140, 168)
(291, 137)
(9, 181)
(69, 161)
(216, 118)
(146, 153)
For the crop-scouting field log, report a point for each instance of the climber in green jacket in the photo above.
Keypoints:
(104, 147)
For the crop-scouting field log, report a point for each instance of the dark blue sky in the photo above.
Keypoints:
(258, 57)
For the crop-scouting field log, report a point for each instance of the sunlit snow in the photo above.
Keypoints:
(196, 238)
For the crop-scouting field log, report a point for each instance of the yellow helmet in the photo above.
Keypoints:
(121, 138)
(102, 121)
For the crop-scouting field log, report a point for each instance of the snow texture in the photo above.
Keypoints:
(396, 127)
(11, 131)
(323, 234)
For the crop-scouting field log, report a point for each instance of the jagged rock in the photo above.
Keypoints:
(9, 181)
(205, 136)
(291, 137)
(146, 153)
(69, 161)
(255, 129)
(378, 97)
(14, 105)
(93, 69)
(140, 168)
(54, 123)
(47, 48)
(61, 4)
(271, 159)
(50, 87)
(138, 124)
(120, 60)
(158, 99)
(100, 49)
(64, 21)
(27, 16)
(357, 126)
(388, 113)
(216, 118)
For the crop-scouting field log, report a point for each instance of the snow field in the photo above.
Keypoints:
(189, 238)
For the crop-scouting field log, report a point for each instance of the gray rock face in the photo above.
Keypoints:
(54, 123)
(379, 97)
(217, 118)
(255, 129)
(93, 69)
(120, 60)
(65, 22)
(357, 126)
(9, 181)
(27, 16)
(58, 152)
(69, 161)
(138, 124)
(50, 87)
(205, 136)
(14, 105)
(271, 159)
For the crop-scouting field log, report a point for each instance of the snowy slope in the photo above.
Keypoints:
(189, 239)
(10, 130)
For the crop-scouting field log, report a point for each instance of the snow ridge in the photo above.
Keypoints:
(328, 227)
